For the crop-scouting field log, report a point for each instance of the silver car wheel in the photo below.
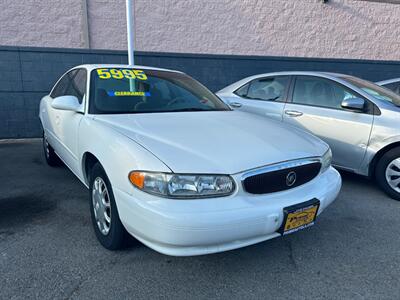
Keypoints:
(393, 174)
(101, 205)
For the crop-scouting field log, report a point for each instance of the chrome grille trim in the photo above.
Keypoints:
(280, 166)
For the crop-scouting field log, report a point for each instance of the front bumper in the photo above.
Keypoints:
(196, 227)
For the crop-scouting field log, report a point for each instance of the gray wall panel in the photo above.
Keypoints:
(27, 73)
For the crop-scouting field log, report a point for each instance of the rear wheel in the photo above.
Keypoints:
(388, 173)
(105, 218)
(51, 157)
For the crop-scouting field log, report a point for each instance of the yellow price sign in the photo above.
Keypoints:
(121, 74)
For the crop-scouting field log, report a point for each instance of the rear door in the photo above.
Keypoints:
(263, 96)
(315, 105)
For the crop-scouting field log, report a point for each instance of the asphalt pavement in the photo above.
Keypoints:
(48, 249)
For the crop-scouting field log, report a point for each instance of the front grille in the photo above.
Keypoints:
(276, 180)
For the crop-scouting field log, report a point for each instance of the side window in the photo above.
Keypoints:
(394, 86)
(320, 92)
(61, 86)
(77, 86)
(267, 89)
(242, 92)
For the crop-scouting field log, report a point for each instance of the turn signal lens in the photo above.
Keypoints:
(137, 179)
(326, 160)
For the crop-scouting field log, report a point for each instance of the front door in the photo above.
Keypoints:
(66, 123)
(316, 107)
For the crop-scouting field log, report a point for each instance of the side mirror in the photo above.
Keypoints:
(357, 104)
(70, 103)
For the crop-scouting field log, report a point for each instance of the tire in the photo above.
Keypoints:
(51, 157)
(108, 229)
(387, 173)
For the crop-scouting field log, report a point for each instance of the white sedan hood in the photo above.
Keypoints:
(221, 142)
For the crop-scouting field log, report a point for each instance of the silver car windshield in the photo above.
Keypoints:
(374, 90)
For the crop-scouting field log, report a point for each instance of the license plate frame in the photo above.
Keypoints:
(299, 216)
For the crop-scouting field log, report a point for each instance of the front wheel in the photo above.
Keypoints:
(388, 173)
(105, 218)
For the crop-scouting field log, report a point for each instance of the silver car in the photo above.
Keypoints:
(358, 119)
(391, 84)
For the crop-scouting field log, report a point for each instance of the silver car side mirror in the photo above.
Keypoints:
(357, 104)
(70, 103)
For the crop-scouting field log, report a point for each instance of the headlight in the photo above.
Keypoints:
(182, 185)
(326, 160)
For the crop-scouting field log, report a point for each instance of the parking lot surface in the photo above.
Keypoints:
(48, 249)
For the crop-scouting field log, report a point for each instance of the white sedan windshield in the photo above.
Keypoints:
(126, 90)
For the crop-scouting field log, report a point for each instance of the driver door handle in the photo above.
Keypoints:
(293, 113)
(235, 104)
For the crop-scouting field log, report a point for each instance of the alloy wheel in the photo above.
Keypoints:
(101, 205)
(393, 174)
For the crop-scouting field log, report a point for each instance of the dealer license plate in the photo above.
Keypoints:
(299, 216)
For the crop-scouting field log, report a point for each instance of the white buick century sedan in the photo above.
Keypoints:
(168, 162)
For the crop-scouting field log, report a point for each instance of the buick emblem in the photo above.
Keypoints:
(291, 178)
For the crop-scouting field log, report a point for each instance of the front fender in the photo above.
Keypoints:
(376, 144)
(118, 154)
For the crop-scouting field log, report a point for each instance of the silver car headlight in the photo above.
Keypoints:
(326, 160)
(182, 186)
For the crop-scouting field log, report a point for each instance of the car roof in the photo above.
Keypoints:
(237, 84)
(387, 81)
(108, 66)
(308, 73)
